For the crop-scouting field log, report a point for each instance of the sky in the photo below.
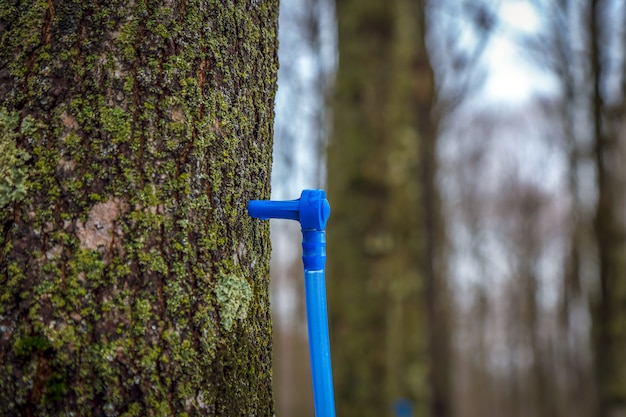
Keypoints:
(511, 77)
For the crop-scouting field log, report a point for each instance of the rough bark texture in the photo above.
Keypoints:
(132, 134)
(387, 326)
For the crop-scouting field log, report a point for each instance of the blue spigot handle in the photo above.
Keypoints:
(312, 211)
(266, 209)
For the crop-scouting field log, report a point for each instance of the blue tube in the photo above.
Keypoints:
(314, 259)
(319, 343)
(312, 211)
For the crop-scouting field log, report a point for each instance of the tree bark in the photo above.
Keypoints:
(132, 135)
(387, 318)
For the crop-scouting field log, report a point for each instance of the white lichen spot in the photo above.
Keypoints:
(240, 253)
(200, 401)
(233, 296)
(99, 230)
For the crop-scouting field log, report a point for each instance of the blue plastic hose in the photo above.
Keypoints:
(312, 211)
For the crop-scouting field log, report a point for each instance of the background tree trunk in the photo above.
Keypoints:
(388, 327)
(132, 281)
(609, 150)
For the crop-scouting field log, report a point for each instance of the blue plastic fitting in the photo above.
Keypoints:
(312, 211)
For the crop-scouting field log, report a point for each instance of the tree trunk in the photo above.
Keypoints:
(388, 327)
(132, 134)
(609, 318)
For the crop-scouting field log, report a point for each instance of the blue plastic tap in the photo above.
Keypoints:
(312, 211)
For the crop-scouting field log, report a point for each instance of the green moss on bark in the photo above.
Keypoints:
(13, 169)
(154, 129)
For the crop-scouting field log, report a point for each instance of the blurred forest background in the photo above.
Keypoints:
(474, 152)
